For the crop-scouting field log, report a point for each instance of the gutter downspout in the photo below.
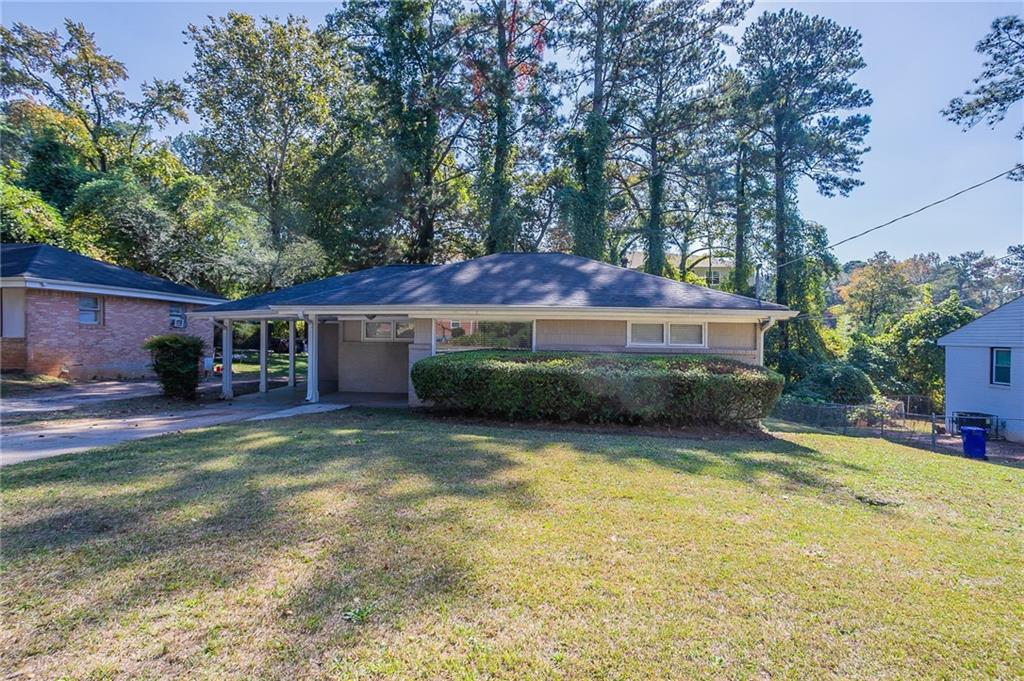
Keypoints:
(763, 326)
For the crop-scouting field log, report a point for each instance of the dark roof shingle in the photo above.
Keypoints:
(49, 262)
(513, 279)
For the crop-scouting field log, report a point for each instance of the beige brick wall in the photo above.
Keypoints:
(58, 345)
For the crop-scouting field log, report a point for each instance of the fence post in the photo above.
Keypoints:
(933, 431)
(846, 418)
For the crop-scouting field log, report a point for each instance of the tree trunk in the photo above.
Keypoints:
(501, 235)
(741, 269)
(590, 226)
(654, 232)
(781, 242)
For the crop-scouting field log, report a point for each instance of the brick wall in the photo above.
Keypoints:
(12, 354)
(59, 345)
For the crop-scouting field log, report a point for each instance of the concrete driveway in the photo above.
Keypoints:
(64, 436)
(72, 397)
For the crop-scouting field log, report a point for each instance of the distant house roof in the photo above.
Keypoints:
(528, 280)
(635, 260)
(45, 266)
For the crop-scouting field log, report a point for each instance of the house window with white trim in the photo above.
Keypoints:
(667, 334)
(1000, 366)
(90, 310)
(714, 278)
(176, 314)
(388, 331)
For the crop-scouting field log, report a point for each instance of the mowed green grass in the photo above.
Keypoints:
(365, 544)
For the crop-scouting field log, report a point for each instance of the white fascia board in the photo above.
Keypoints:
(528, 312)
(99, 289)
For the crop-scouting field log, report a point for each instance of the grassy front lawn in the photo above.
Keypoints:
(366, 544)
(277, 365)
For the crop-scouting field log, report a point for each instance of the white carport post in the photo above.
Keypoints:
(291, 353)
(263, 355)
(227, 349)
(312, 387)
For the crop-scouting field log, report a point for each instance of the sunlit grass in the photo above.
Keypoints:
(381, 544)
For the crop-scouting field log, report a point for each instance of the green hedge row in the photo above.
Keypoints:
(598, 388)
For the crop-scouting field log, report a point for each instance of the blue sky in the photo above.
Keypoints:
(919, 55)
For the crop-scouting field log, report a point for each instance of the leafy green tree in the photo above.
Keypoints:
(26, 218)
(79, 80)
(596, 30)
(409, 53)
(1001, 82)
(668, 85)
(800, 71)
(263, 89)
(877, 293)
(912, 340)
(511, 88)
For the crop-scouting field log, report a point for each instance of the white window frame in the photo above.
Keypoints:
(173, 314)
(455, 323)
(714, 278)
(992, 366)
(666, 335)
(391, 336)
(99, 311)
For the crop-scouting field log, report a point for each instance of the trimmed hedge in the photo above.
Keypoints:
(176, 363)
(598, 388)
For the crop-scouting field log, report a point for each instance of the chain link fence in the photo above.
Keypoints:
(889, 419)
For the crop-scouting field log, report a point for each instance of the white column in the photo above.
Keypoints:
(291, 353)
(227, 349)
(433, 337)
(263, 355)
(312, 347)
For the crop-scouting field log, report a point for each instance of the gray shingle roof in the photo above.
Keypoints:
(49, 262)
(516, 279)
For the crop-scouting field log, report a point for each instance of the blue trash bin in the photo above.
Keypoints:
(974, 442)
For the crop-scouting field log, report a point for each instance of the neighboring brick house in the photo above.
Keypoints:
(64, 314)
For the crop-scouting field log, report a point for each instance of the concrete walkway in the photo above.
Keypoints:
(42, 440)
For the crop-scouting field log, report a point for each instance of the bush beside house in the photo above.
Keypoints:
(598, 388)
(176, 363)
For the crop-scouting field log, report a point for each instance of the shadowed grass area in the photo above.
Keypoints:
(13, 384)
(365, 544)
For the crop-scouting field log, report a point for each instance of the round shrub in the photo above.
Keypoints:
(598, 388)
(176, 363)
(836, 382)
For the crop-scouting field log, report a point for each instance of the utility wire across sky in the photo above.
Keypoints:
(906, 215)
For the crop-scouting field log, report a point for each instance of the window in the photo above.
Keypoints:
(451, 335)
(667, 334)
(714, 278)
(89, 310)
(404, 330)
(388, 331)
(647, 334)
(1000, 360)
(177, 316)
(686, 334)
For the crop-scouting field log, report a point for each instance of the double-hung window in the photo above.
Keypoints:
(90, 310)
(999, 360)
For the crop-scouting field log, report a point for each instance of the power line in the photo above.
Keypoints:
(904, 216)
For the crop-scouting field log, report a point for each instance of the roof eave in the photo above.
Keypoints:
(23, 281)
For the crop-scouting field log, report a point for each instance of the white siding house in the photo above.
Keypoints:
(985, 367)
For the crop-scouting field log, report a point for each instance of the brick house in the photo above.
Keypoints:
(64, 314)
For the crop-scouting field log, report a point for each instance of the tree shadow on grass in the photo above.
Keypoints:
(331, 520)
(150, 523)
